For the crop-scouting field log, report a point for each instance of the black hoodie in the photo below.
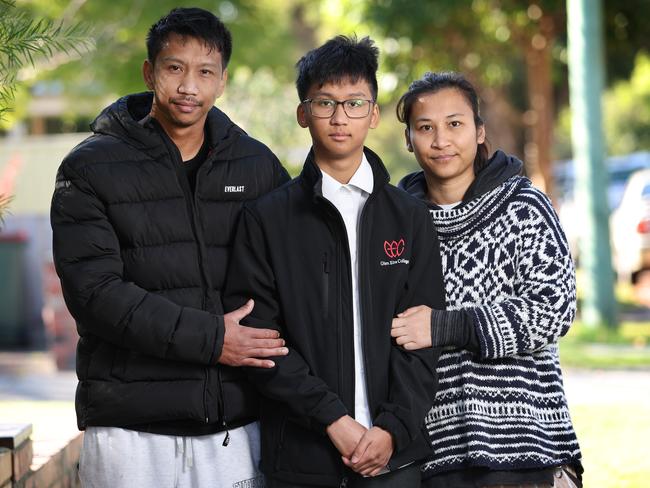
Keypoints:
(142, 260)
(499, 168)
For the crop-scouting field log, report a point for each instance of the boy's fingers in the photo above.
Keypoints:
(360, 450)
(401, 340)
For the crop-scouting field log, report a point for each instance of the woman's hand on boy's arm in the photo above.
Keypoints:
(420, 327)
(372, 453)
(345, 433)
(411, 329)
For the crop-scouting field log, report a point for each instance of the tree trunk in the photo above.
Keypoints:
(539, 117)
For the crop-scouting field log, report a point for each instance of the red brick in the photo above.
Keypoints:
(5, 466)
(48, 474)
(72, 451)
(22, 459)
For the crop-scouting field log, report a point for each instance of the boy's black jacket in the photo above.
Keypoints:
(291, 256)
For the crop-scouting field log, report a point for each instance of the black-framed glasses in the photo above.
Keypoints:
(324, 108)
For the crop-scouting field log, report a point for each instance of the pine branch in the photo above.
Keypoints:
(4, 204)
(23, 40)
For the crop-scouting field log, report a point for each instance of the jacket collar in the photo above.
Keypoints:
(128, 120)
(312, 176)
(499, 169)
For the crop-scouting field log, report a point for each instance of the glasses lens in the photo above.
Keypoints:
(357, 108)
(323, 107)
(354, 108)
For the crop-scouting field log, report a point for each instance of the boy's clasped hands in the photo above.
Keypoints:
(365, 451)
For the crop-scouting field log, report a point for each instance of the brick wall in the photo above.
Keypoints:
(23, 466)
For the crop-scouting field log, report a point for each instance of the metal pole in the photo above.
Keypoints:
(586, 81)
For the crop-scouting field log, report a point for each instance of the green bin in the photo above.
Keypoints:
(12, 308)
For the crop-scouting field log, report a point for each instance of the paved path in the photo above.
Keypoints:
(582, 386)
(607, 387)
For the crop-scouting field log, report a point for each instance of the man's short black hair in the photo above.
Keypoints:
(193, 22)
(339, 59)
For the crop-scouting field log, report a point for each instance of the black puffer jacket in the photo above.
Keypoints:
(142, 261)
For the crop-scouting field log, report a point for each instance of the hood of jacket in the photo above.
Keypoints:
(499, 168)
(128, 120)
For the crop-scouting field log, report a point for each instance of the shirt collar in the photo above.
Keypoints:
(363, 179)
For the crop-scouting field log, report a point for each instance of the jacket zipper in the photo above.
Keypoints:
(192, 209)
(326, 285)
(204, 279)
(363, 298)
(224, 424)
(339, 252)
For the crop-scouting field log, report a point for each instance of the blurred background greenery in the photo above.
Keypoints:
(515, 51)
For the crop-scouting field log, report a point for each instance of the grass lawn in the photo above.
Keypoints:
(601, 348)
(613, 438)
(614, 443)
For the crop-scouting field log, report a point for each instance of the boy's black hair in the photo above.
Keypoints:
(433, 83)
(340, 58)
(193, 22)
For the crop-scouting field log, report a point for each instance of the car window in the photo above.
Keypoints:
(646, 191)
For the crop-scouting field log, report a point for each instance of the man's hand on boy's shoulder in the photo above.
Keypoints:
(372, 453)
(345, 433)
(244, 346)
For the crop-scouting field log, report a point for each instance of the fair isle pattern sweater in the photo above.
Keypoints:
(506, 261)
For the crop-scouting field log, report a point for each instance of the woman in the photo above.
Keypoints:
(500, 416)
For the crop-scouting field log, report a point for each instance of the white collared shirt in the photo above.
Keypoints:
(349, 201)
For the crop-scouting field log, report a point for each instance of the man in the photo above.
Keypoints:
(330, 258)
(143, 216)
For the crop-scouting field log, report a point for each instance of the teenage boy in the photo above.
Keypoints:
(330, 258)
(143, 215)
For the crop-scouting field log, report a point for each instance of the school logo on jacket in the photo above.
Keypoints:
(394, 249)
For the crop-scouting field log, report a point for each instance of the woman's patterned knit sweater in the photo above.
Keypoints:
(507, 263)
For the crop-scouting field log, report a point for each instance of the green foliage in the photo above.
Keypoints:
(627, 111)
(24, 39)
(603, 347)
(262, 31)
(485, 39)
(626, 114)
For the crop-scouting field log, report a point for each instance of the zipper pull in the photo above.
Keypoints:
(226, 439)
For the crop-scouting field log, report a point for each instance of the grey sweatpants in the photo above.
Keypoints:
(120, 458)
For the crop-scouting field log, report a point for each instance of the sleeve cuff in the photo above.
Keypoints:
(452, 328)
(323, 419)
(218, 343)
(395, 428)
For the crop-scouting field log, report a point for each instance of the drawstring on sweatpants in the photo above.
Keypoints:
(185, 449)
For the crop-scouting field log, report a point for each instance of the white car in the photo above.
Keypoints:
(630, 228)
(619, 169)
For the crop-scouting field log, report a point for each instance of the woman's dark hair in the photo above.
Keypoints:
(192, 22)
(434, 82)
(338, 59)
